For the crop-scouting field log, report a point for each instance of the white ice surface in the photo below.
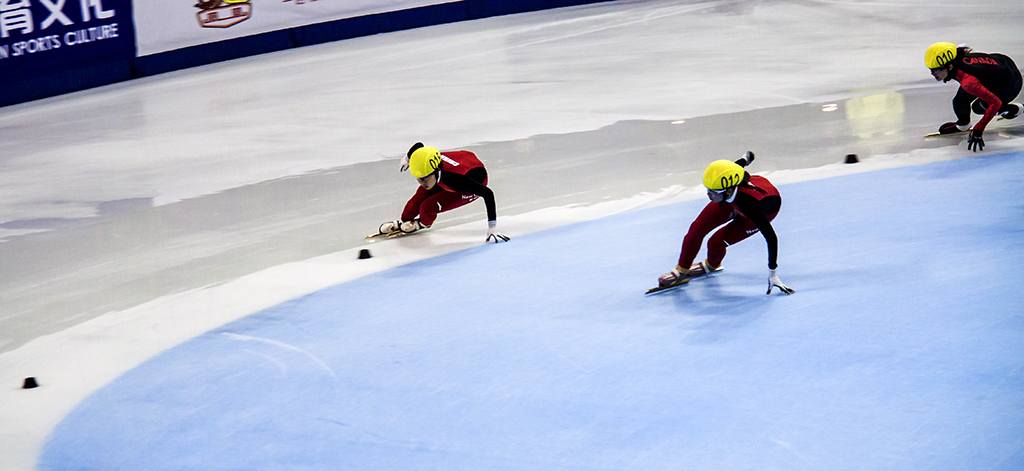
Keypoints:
(205, 130)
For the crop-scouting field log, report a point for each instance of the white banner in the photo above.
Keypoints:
(166, 25)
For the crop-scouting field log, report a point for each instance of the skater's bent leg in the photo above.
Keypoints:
(979, 107)
(962, 107)
(441, 202)
(735, 231)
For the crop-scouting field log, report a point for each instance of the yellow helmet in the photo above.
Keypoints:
(939, 54)
(423, 161)
(722, 174)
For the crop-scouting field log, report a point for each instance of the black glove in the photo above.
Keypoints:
(746, 159)
(950, 128)
(975, 141)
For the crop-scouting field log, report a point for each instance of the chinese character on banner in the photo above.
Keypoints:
(15, 15)
(56, 9)
(95, 7)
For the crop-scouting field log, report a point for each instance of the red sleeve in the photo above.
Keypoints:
(713, 215)
(971, 85)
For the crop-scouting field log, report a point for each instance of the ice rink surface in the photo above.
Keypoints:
(150, 220)
(900, 350)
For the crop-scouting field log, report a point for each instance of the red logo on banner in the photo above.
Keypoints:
(223, 13)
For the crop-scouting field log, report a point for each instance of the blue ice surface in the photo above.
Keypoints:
(903, 348)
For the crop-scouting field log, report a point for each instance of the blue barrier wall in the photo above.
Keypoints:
(53, 69)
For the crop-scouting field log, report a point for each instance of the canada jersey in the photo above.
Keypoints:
(992, 78)
(994, 71)
(460, 162)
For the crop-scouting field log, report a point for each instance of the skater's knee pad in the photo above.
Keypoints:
(979, 107)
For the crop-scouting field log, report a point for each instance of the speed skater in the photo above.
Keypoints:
(743, 204)
(988, 82)
(447, 180)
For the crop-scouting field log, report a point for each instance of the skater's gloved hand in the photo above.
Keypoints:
(671, 277)
(951, 127)
(412, 226)
(389, 227)
(493, 235)
(775, 282)
(975, 141)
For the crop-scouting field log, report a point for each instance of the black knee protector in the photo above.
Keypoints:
(979, 107)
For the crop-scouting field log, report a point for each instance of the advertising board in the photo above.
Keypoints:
(167, 25)
(42, 36)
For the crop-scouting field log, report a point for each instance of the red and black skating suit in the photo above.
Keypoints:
(991, 79)
(750, 212)
(461, 180)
